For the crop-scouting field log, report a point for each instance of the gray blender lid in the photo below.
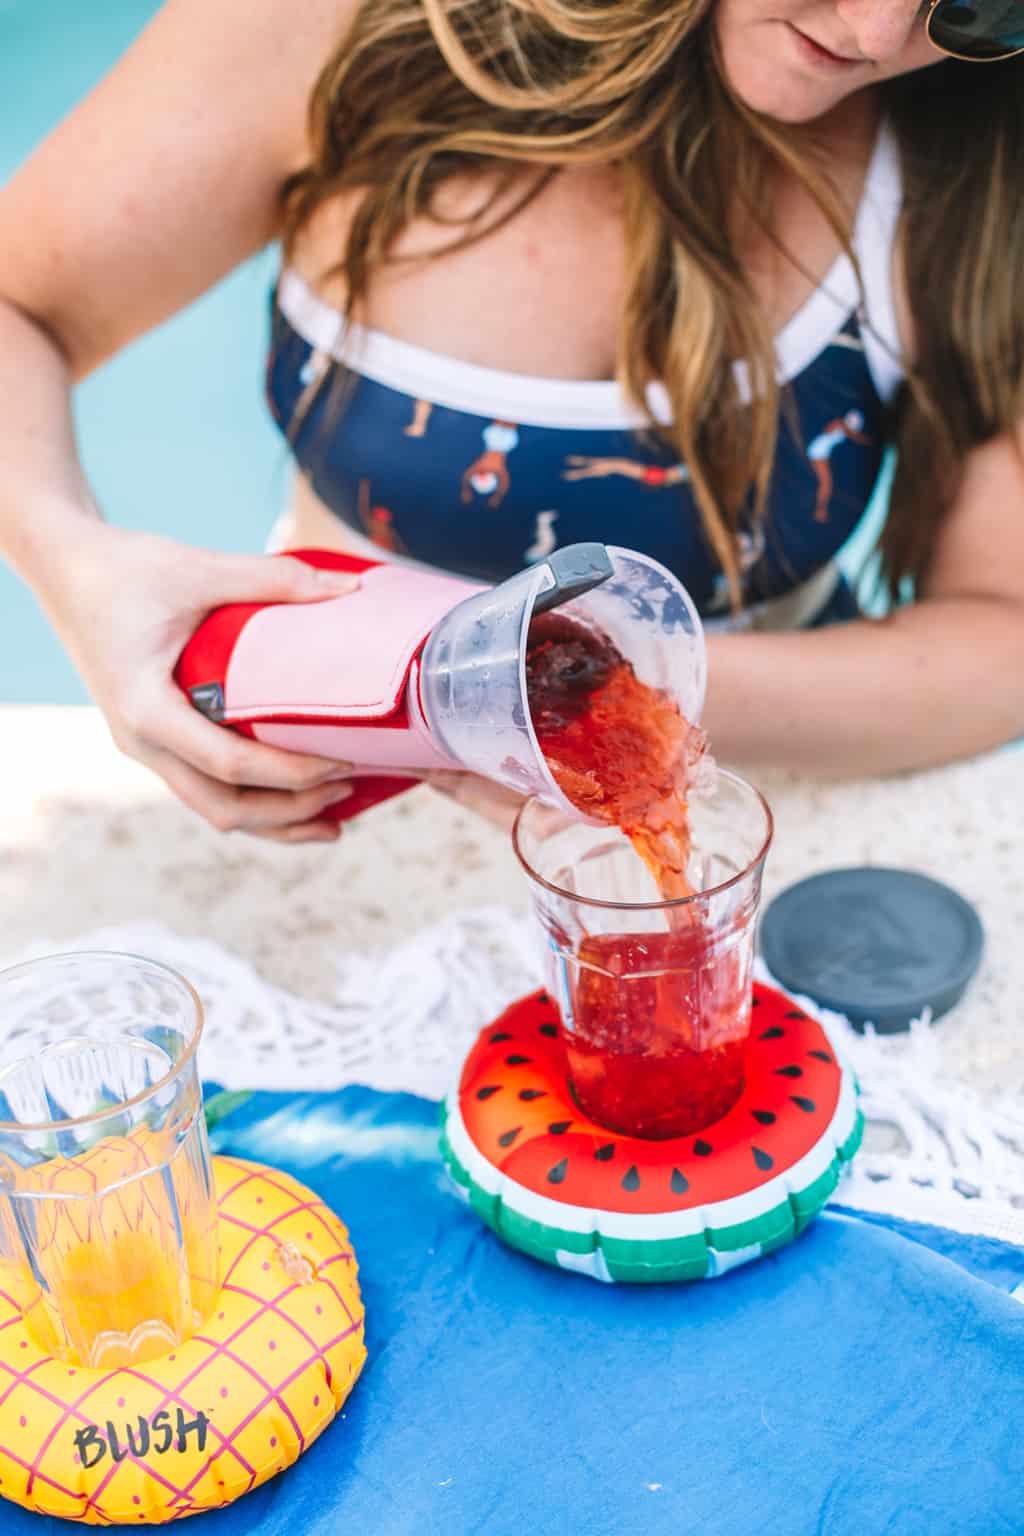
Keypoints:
(878, 945)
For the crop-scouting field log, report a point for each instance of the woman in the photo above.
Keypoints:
(760, 217)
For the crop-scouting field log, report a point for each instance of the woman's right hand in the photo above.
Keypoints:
(125, 604)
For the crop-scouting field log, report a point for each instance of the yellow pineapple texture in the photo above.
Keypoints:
(213, 1418)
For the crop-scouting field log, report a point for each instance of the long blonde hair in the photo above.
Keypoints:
(419, 91)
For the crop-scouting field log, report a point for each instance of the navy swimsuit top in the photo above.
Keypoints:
(481, 472)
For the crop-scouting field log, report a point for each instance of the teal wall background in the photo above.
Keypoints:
(173, 432)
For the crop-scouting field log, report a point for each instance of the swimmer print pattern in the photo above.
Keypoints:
(482, 496)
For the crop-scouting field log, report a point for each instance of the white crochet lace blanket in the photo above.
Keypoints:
(403, 1020)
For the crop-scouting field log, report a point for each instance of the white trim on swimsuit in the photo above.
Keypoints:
(600, 404)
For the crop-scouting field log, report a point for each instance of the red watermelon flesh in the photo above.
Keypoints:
(514, 1083)
(790, 1096)
(531, 1027)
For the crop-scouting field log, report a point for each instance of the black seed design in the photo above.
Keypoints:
(529, 1094)
(558, 1172)
(755, 1001)
(703, 1148)
(551, 1030)
(488, 1093)
(560, 1127)
(794, 1013)
(606, 1153)
(762, 1159)
(789, 1071)
(543, 997)
(501, 1035)
(509, 1137)
(775, 1033)
(821, 1056)
(631, 1180)
(764, 1116)
(678, 1183)
(517, 1061)
(807, 1105)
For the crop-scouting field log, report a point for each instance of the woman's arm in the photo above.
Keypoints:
(942, 678)
(167, 175)
(159, 183)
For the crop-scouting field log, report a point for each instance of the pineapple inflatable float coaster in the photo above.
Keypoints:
(620, 1208)
(218, 1415)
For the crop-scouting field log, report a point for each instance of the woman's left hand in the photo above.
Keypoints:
(491, 801)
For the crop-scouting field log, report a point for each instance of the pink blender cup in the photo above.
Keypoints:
(417, 671)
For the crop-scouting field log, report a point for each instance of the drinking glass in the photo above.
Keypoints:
(108, 1230)
(654, 995)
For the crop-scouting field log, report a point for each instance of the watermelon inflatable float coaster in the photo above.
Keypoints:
(616, 1207)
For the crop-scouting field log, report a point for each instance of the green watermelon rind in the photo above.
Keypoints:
(691, 1244)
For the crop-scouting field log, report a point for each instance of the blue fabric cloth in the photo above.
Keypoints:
(866, 1381)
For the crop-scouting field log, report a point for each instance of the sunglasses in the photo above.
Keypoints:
(980, 31)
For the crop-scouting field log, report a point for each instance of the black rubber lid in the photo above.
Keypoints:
(878, 945)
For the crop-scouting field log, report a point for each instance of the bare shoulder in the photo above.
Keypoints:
(168, 174)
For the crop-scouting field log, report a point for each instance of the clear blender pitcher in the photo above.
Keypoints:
(417, 670)
(473, 679)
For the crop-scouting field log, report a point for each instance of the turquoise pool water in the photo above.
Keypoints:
(173, 432)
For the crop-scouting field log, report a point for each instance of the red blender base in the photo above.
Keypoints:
(565, 1190)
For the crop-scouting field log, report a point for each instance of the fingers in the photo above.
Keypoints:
(284, 816)
(276, 579)
(311, 832)
(492, 801)
(232, 759)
